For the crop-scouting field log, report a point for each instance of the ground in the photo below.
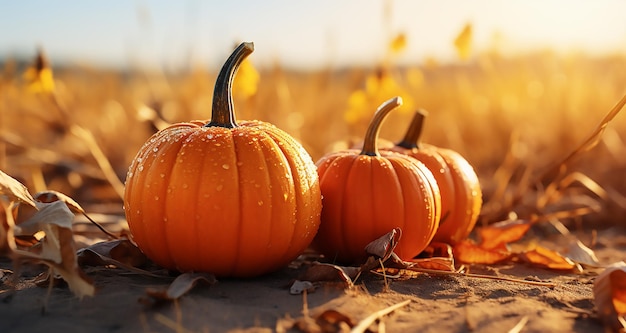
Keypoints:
(436, 303)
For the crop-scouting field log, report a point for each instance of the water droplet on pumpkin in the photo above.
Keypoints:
(162, 175)
(286, 196)
(155, 149)
(257, 185)
(140, 168)
(156, 198)
(209, 136)
(219, 187)
(218, 145)
(260, 202)
(225, 166)
(165, 219)
(185, 186)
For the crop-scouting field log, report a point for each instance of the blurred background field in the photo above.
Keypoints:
(75, 128)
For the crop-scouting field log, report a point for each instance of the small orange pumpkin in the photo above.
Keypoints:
(231, 198)
(367, 193)
(461, 196)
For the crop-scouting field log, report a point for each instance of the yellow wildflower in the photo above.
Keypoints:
(398, 43)
(463, 42)
(246, 81)
(39, 77)
(379, 87)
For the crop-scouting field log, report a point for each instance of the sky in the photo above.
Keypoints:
(305, 34)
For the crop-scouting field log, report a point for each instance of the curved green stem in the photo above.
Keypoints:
(370, 144)
(413, 133)
(223, 110)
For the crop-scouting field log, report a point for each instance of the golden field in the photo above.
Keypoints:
(76, 129)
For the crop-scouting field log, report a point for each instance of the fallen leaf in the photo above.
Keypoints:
(499, 234)
(334, 321)
(120, 253)
(437, 256)
(470, 253)
(51, 196)
(181, 286)
(328, 272)
(541, 256)
(581, 254)
(56, 248)
(609, 291)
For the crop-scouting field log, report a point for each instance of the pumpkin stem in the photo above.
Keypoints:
(413, 133)
(223, 110)
(370, 144)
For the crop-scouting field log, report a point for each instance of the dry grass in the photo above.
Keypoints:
(528, 111)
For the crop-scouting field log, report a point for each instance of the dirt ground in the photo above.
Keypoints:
(436, 303)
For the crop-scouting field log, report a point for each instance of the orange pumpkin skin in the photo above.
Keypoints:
(234, 201)
(461, 195)
(366, 194)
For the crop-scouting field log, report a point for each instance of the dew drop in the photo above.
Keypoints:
(209, 136)
(162, 175)
(185, 186)
(156, 198)
(260, 202)
(225, 166)
(219, 187)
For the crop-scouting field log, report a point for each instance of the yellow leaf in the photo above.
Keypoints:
(463, 42)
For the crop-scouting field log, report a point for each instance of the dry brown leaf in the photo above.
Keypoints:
(437, 256)
(181, 286)
(120, 250)
(609, 291)
(470, 253)
(14, 190)
(437, 263)
(51, 196)
(384, 245)
(57, 247)
(499, 234)
(328, 272)
(334, 321)
(541, 256)
(579, 253)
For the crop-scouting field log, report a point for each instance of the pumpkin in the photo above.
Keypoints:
(367, 193)
(233, 198)
(461, 196)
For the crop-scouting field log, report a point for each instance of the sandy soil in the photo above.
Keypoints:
(437, 303)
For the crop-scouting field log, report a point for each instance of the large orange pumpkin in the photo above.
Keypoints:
(231, 198)
(461, 196)
(367, 193)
